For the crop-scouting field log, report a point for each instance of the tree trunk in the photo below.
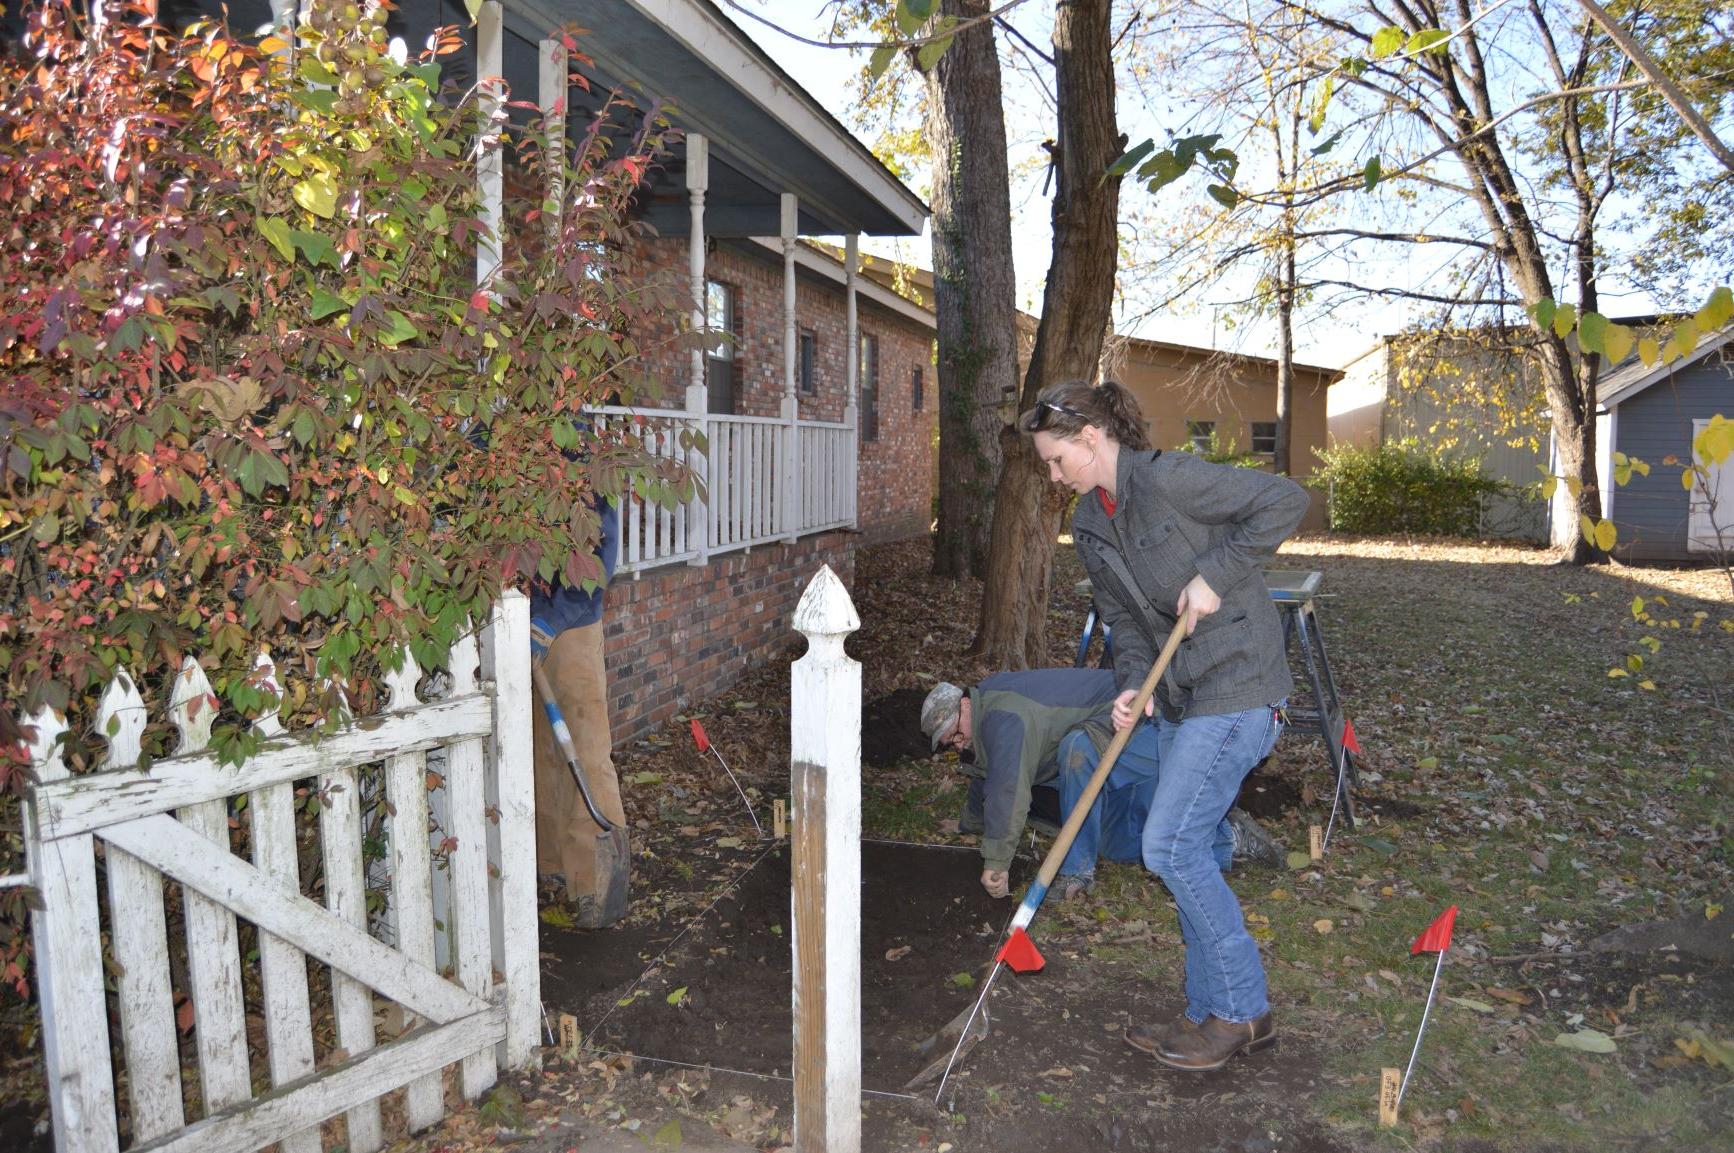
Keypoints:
(1076, 308)
(1285, 348)
(974, 287)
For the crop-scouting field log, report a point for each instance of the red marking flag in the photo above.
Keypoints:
(698, 736)
(1349, 740)
(1020, 953)
(1437, 938)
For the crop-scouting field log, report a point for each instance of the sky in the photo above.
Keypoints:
(828, 75)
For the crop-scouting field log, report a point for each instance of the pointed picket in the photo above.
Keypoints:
(411, 895)
(512, 791)
(283, 968)
(139, 938)
(213, 943)
(68, 958)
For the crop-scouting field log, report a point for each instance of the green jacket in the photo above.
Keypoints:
(1017, 720)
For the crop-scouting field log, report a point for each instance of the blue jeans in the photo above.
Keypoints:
(1114, 827)
(1203, 761)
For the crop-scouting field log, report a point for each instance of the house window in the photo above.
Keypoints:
(806, 367)
(1264, 436)
(915, 388)
(1201, 433)
(869, 370)
(722, 322)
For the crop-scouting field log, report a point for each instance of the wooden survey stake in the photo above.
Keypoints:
(569, 1037)
(779, 819)
(1390, 1093)
(1316, 842)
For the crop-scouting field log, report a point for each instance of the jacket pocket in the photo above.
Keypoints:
(1218, 662)
(1162, 559)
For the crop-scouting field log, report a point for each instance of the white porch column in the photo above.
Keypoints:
(852, 371)
(792, 513)
(697, 391)
(490, 170)
(551, 94)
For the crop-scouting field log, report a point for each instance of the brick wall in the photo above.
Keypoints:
(680, 633)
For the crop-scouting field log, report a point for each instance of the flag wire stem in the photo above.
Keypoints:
(1426, 1009)
(725, 765)
(986, 988)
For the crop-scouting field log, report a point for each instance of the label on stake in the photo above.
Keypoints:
(779, 819)
(569, 1037)
(1316, 842)
(1390, 1088)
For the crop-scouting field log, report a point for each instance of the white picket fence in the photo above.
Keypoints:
(470, 881)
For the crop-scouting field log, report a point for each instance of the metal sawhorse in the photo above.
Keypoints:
(1322, 714)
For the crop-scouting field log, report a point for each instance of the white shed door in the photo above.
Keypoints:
(1710, 523)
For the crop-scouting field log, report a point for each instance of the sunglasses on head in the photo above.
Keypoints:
(1042, 415)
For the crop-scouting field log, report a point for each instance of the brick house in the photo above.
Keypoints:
(817, 412)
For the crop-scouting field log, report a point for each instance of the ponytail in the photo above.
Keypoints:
(1065, 409)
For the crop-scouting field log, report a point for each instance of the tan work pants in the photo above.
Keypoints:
(567, 840)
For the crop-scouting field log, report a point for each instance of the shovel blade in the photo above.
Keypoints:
(949, 1046)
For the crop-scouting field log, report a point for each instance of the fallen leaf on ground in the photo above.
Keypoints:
(1324, 924)
(899, 952)
(1587, 1041)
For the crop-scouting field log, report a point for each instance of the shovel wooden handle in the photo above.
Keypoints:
(1069, 831)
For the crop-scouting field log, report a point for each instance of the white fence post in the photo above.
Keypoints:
(825, 897)
(69, 964)
(512, 789)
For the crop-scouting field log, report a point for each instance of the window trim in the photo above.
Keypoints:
(1199, 433)
(1253, 435)
(807, 362)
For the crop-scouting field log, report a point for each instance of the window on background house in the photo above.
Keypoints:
(806, 363)
(1201, 433)
(722, 362)
(915, 389)
(1264, 436)
(869, 378)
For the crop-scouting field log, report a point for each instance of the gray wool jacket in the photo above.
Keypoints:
(1180, 516)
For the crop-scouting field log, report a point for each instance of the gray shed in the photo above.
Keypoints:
(1652, 413)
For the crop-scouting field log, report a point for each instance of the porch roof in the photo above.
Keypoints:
(767, 135)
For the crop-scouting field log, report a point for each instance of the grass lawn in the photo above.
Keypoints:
(1504, 771)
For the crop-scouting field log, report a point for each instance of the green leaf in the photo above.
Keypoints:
(1321, 104)
(1472, 1004)
(1130, 158)
(1587, 1041)
(1379, 845)
(910, 16)
(676, 997)
(1330, 143)
(1386, 42)
(1371, 174)
(314, 247)
(1298, 860)
(474, 8)
(881, 60)
(1592, 332)
(276, 230)
(1163, 169)
(1223, 195)
(317, 194)
(1542, 311)
(1564, 319)
(1618, 342)
(667, 1137)
(1648, 350)
(963, 980)
(401, 329)
(1716, 311)
(313, 71)
(1606, 535)
(1685, 338)
(1428, 40)
(929, 53)
(325, 303)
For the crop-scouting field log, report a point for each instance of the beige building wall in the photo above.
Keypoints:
(1176, 384)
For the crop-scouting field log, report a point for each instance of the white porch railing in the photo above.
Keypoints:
(745, 467)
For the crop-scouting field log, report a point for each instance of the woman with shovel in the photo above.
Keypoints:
(1172, 538)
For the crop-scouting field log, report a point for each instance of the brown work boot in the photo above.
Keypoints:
(1151, 1038)
(1211, 1045)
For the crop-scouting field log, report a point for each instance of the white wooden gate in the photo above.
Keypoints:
(171, 823)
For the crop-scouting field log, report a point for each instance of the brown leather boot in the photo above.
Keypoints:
(1151, 1038)
(1211, 1045)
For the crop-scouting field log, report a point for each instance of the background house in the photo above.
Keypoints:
(1189, 393)
(1652, 414)
(1465, 393)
